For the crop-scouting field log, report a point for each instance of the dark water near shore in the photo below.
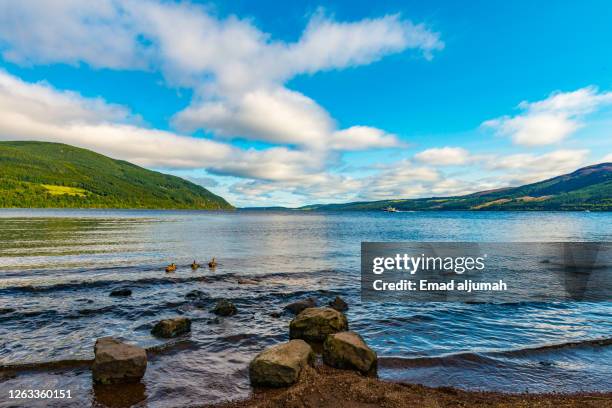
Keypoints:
(57, 269)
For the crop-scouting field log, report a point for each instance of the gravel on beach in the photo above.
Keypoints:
(325, 387)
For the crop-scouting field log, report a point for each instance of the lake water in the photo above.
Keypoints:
(57, 268)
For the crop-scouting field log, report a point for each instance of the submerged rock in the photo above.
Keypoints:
(275, 315)
(225, 308)
(297, 307)
(280, 366)
(121, 292)
(347, 350)
(195, 294)
(213, 321)
(118, 362)
(338, 304)
(7, 375)
(314, 324)
(168, 328)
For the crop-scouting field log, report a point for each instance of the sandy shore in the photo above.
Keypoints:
(325, 387)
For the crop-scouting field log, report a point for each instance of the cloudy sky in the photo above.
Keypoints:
(291, 103)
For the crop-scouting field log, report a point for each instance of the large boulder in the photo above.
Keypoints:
(225, 308)
(168, 328)
(118, 362)
(347, 350)
(300, 305)
(338, 304)
(280, 366)
(314, 324)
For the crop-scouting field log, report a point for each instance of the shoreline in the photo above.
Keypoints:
(326, 387)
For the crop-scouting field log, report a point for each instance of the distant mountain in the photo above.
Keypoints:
(588, 188)
(53, 175)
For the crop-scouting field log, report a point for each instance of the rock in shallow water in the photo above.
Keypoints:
(195, 294)
(280, 366)
(171, 327)
(121, 292)
(118, 362)
(225, 308)
(347, 350)
(300, 305)
(213, 321)
(338, 304)
(314, 324)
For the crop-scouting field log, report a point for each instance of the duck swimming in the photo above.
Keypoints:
(195, 265)
(171, 268)
(212, 263)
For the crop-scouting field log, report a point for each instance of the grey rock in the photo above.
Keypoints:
(281, 365)
(225, 308)
(314, 324)
(338, 304)
(118, 362)
(347, 350)
(169, 328)
(297, 307)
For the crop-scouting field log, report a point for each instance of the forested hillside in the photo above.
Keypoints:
(52, 175)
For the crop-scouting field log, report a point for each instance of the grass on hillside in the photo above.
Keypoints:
(53, 175)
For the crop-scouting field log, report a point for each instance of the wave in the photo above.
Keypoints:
(158, 280)
(69, 364)
(490, 357)
(67, 286)
(603, 342)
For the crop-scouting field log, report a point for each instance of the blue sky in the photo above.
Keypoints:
(289, 103)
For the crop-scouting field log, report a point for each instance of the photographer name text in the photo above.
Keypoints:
(424, 285)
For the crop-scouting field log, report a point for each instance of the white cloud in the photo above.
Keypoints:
(400, 179)
(550, 120)
(45, 104)
(281, 116)
(40, 112)
(326, 44)
(277, 116)
(70, 31)
(237, 71)
(444, 156)
(362, 138)
(187, 39)
(528, 168)
(246, 97)
(273, 164)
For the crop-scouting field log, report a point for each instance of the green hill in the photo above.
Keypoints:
(588, 188)
(53, 175)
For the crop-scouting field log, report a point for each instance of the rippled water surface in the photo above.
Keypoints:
(57, 269)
